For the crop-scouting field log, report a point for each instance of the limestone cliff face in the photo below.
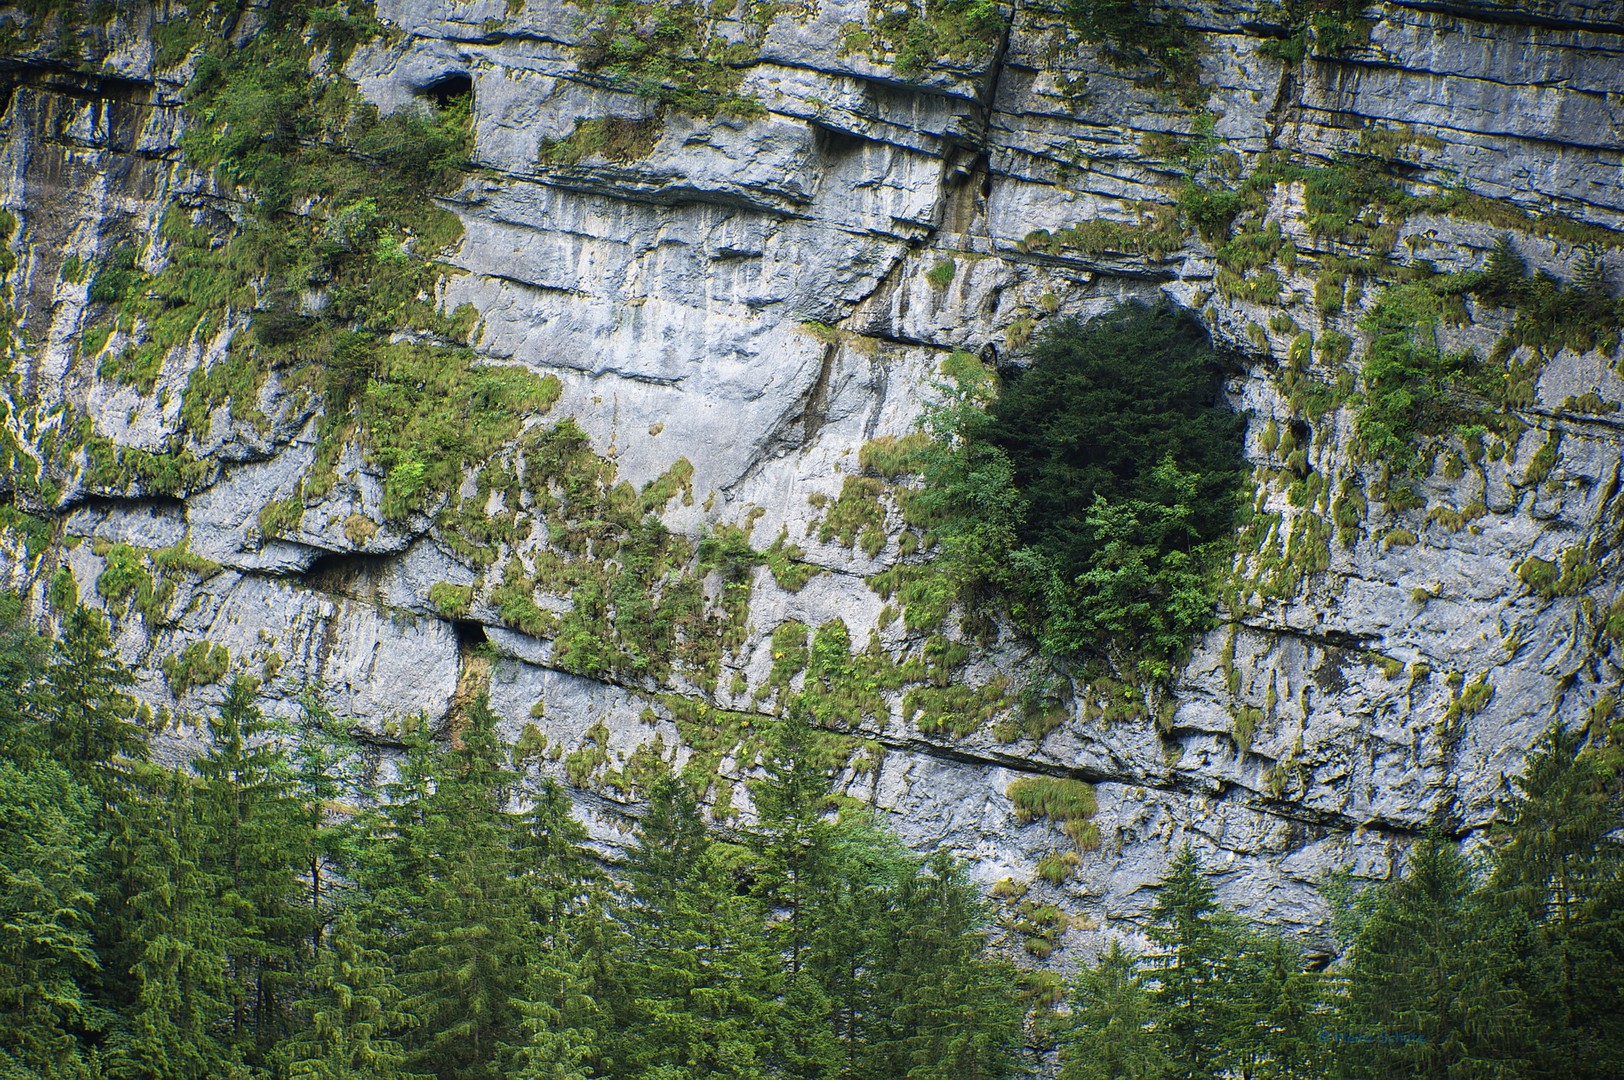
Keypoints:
(736, 305)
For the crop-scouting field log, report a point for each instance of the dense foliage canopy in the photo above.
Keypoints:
(263, 914)
(1103, 405)
(1097, 487)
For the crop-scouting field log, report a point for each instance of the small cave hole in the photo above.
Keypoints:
(344, 573)
(445, 90)
(833, 142)
(469, 633)
(1301, 432)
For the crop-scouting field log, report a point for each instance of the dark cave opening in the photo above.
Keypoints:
(469, 633)
(345, 573)
(447, 89)
(833, 142)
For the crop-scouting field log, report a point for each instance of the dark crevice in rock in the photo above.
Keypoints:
(880, 376)
(834, 143)
(73, 83)
(798, 428)
(1325, 639)
(1479, 11)
(351, 574)
(152, 505)
(499, 37)
(1136, 271)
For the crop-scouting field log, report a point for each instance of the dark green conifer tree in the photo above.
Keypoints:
(254, 826)
(92, 721)
(1431, 991)
(557, 874)
(171, 926)
(46, 949)
(600, 947)
(562, 892)
(1191, 971)
(793, 843)
(393, 858)
(855, 936)
(702, 1003)
(1277, 1012)
(468, 929)
(797, 875)
(23, 654)
(560, 1020)
(323, 762)
(1561, 874)
(82, 716)
(952, 1013)
(354, 1014)
(1111, 1034)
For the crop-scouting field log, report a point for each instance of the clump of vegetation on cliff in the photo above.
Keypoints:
(1136, 34)
(1313, 27)
(1093, 493)
(333, 258)
(673, 52)
(1415, 391)
(920, 35)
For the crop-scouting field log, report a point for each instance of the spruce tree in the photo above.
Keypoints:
(1111, 1032)
(23, 655)
(702, 1001)
(393, 857)
(795, 875)
(254, 827)
(172, 928)
(46, 950)
(84, 718)
(1277, 1012)
(1191, 969)
(322, 763)
(560, 1020)
(792, 843)
(601, 946)
(854, 936)
(556, 873)
(355, 1017)
(1431, 991)
(1559, 870)
(561, 891)
(468, 930)
(952, 1011)
(92, 720)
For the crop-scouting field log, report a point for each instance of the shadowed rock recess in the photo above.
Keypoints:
(719, 291)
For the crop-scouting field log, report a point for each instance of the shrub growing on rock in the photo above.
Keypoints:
(1121, 466)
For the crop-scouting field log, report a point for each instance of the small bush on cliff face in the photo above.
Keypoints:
(115, 277)
(669, 51)
(1134, 37)
(931, 32)
(1415, 392)
(1095, 490)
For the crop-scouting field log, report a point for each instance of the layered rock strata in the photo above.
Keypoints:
(738, 306)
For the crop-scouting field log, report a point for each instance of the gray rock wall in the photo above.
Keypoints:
(750, 294)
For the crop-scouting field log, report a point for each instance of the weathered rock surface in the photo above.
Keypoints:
(751, 295)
